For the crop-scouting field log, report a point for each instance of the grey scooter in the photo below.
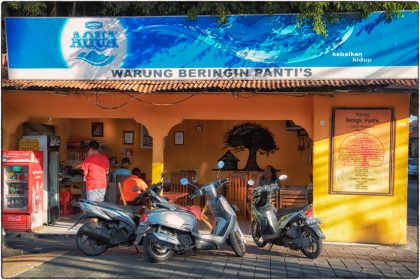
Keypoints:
(296, 228)
(170, 230)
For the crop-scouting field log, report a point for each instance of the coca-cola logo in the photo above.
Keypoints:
(14, 218)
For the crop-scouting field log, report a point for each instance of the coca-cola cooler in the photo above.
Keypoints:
(22, 188)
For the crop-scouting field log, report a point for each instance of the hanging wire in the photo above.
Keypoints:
(242, 96)
(99, 104)
(161, 104)
(96, 103)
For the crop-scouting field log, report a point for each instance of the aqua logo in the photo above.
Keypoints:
(98, 40)
(90, 42)
(93, 24)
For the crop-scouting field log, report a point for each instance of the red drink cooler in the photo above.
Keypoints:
(22, 189)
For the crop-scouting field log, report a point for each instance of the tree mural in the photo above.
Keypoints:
(253, 137)
(362, 149)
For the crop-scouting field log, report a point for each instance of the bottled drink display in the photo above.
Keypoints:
(16, 187)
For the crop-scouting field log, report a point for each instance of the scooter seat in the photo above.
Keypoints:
(124, 208)
(285, 211)
(196, 210)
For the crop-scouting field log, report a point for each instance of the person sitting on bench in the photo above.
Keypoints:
(127, 186)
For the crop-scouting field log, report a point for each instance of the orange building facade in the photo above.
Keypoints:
(346, 218)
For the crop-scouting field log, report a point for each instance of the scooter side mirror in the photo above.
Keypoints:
(184, 181)
(135, 189)
(282, 177)
(251, 182)
(220, 164)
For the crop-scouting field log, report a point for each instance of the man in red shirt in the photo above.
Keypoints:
(95, 169)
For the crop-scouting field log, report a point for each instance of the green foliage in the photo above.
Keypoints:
(317, 14)
(320, 13)
(24, 8)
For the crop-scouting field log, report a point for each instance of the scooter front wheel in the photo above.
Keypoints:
(315, 249)
(237, 243)
(256, 233)
(156, 250)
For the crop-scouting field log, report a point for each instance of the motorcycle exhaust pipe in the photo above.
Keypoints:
(95, 233)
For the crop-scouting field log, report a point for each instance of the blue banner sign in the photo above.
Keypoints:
(247, 47)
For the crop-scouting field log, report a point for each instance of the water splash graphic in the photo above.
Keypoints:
(95, 59)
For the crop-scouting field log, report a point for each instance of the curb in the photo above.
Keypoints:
(32, 235)
(10, 252)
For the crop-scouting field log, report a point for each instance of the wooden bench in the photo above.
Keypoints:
(236, 192)
(176, 186)
(292, 196)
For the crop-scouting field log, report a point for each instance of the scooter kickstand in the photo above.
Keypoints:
(137, 249)
(271, 246)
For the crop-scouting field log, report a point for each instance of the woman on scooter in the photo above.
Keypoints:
(269, 176)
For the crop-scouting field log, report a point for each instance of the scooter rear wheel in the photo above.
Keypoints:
(155, 250)
(88, 245)
(256, 234)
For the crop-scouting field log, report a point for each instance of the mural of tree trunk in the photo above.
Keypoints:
(255, 138)
(252, 164)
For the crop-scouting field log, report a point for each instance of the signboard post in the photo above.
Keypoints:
(362, 151)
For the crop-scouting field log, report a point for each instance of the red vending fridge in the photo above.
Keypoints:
(22, 188)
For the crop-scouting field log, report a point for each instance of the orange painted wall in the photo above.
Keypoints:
(202, 150)
(154, 111)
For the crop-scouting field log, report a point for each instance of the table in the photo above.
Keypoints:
(173, 196)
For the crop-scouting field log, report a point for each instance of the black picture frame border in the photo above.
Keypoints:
(94, 125)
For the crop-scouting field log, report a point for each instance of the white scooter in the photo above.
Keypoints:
(165, 231)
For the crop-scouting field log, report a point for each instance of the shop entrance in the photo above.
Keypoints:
(118, 139)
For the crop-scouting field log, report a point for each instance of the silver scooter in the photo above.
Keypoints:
(170, 230)
(295, 228)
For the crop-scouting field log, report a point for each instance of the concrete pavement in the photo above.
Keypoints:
(54, 255)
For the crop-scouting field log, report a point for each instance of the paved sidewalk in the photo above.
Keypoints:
(54, 255)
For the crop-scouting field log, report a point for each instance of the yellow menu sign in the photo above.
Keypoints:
(361, 154)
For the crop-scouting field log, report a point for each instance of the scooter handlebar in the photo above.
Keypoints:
(147, 193)
(271, 187)
(200, 191)
(222, 182)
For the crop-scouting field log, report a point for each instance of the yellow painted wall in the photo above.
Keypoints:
(361, 218)
(202, 150)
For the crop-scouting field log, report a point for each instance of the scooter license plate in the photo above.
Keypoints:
(312, 221)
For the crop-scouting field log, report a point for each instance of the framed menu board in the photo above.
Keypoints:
(362, 148)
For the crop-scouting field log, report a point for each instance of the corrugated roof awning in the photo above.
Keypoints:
(148, 86)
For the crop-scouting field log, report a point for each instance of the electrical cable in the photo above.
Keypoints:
(161, 104)
(105, 107)
(99, 104)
